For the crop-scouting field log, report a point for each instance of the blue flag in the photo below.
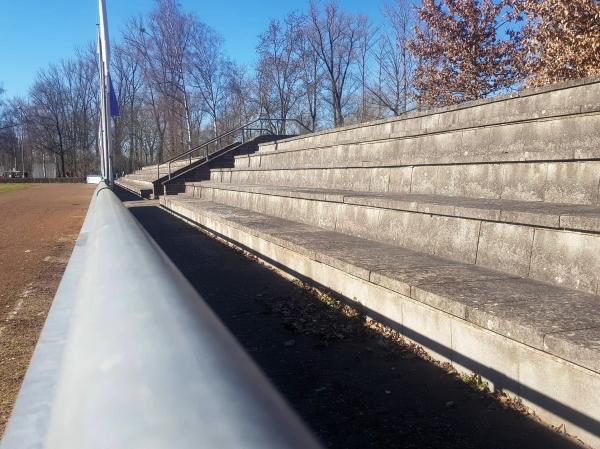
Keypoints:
(114, 103)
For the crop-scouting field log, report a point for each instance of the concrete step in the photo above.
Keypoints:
(165, 167)
(561, 138)
(141, 188)
(574, 97)
(530, 339)
(551, 182)
(554, 243)
(149, 175)
(142, 177)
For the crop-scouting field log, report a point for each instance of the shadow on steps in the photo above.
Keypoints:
(355, 387)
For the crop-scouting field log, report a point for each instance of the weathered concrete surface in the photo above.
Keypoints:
(502, 327)
(353, 389)
(505, 235)
(475, 228)
(169, 177)
(139, 187)
(560, 138)
(462, 290)
(573, 97)
(575, 182)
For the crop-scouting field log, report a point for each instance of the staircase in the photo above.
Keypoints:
(474, 230)
(169, 177)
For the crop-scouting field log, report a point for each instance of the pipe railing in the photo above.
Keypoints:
(132, 357)
(245, 131)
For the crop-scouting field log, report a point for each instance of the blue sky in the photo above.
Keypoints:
(34, 33)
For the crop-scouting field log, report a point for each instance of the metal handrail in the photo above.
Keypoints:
(132, 357)
(246, 127)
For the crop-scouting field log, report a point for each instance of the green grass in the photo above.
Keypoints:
(476, 382)
(9, 187)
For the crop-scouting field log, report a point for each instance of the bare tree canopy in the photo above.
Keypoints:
(334, 36)
(326, 66)
(279, 69)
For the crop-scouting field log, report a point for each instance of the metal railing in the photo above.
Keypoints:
(132, 357)
(245, 132)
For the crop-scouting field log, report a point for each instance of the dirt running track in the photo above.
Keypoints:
(38, 228)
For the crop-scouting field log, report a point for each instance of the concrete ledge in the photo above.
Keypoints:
(486, 237)
(571, 137)
(576, 96)
(527, 338)
(549, 215)
(574, 182)
(144, 189)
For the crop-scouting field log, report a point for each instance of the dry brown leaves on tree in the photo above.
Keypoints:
(465, 51)
(561, 39)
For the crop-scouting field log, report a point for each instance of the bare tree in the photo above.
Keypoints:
(279, 69)
(165, 45)
(128, 80)
(242, 102)
(334, 36)
(393, 61)
(209, 71)
(137, 41)
(8, 137)
(363, 52)
(311, 77)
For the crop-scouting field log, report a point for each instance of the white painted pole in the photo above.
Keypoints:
(101, 125)
(105, 58)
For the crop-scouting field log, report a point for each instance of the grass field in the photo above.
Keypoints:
(7, 187)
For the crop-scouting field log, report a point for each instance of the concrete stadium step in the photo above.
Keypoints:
(554, 243)
(551, 215)
(548, 139)
(165, 167)
(533, 340)
(573, 97)
(141, 188)
(194, 169)
(575, 182)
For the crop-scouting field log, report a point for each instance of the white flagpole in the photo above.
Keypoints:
(105, 59)
(101, 125)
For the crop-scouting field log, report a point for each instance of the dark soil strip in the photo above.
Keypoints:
(355, 386)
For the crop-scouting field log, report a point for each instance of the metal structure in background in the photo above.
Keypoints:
(244, 132)
(104, 137)
(131, 357)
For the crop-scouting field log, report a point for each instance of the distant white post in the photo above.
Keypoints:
(105, 101)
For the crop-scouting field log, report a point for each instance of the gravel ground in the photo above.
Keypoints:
(38, 227)
(356, 383)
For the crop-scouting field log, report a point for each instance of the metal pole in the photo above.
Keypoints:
(104, 45)
(22, 155)
(102, 124)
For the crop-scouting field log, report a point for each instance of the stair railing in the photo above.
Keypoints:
(244, 130)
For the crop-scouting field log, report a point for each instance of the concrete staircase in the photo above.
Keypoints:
(474, 230)
(152, 181)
